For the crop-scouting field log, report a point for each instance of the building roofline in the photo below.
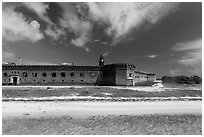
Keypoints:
(147, 73)
(49, 67)
(120, 65)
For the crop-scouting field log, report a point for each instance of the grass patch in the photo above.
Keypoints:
(106, 125)
(96, 92)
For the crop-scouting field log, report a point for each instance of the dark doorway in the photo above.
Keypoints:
(14, 80)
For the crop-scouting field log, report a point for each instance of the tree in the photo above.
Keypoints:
(182, 79)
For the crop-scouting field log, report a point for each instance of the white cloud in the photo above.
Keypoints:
(87, 49)
(16, 28)
(152, 56)
(104, 43)
(29, 62)
(6, 55)
(54, 32)
(70, 21)
(80, 41)
(191, 54)
(106, 53)
(80, 27)
(175, 72)
(40, 9)
(96, 40)
(122, 18)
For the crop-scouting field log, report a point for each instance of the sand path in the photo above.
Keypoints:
(85, 109)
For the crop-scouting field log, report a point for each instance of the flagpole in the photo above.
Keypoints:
(20, 60)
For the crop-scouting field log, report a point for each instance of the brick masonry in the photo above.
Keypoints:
(120, 74)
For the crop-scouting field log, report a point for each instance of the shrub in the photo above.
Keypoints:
(182, 79)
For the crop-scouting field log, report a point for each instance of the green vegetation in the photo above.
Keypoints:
(182, 79)
(105, 125)
(97, 92)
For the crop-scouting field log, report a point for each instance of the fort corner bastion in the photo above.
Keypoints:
(117, 74)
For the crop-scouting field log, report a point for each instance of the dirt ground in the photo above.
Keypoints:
(102, 118)
(106, 125)
(98, 91)
(121, 118)
(88, 108)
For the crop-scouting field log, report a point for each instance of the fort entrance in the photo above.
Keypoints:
(15, 80)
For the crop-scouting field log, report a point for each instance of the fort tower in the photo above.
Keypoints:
(101, 60)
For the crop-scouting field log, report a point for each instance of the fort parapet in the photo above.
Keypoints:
(117, 74)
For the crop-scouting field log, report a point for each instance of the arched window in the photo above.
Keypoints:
(5, 75)
(81, 74)
(72, 74)
(92, 74)
(44, 74)
(25, 74)
(62, 74)
(54, 74)
(34, 74)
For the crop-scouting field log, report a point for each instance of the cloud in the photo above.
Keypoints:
(16, 28)
(73, 23)
(40, 9)
(191, 52)
(152, 56)
(70, 21)
(87, 49)
(29, 62)
(80, 41)
(96, 40)
(54, 32)
(104, 43)
(7, 55)
(122, 18)
(106, 53)
(175, 72)
(118, 20)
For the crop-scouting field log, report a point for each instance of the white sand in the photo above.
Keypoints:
(84, 109)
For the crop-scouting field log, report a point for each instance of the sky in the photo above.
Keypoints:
(163, 38)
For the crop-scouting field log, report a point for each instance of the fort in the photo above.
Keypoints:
(117, 74)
